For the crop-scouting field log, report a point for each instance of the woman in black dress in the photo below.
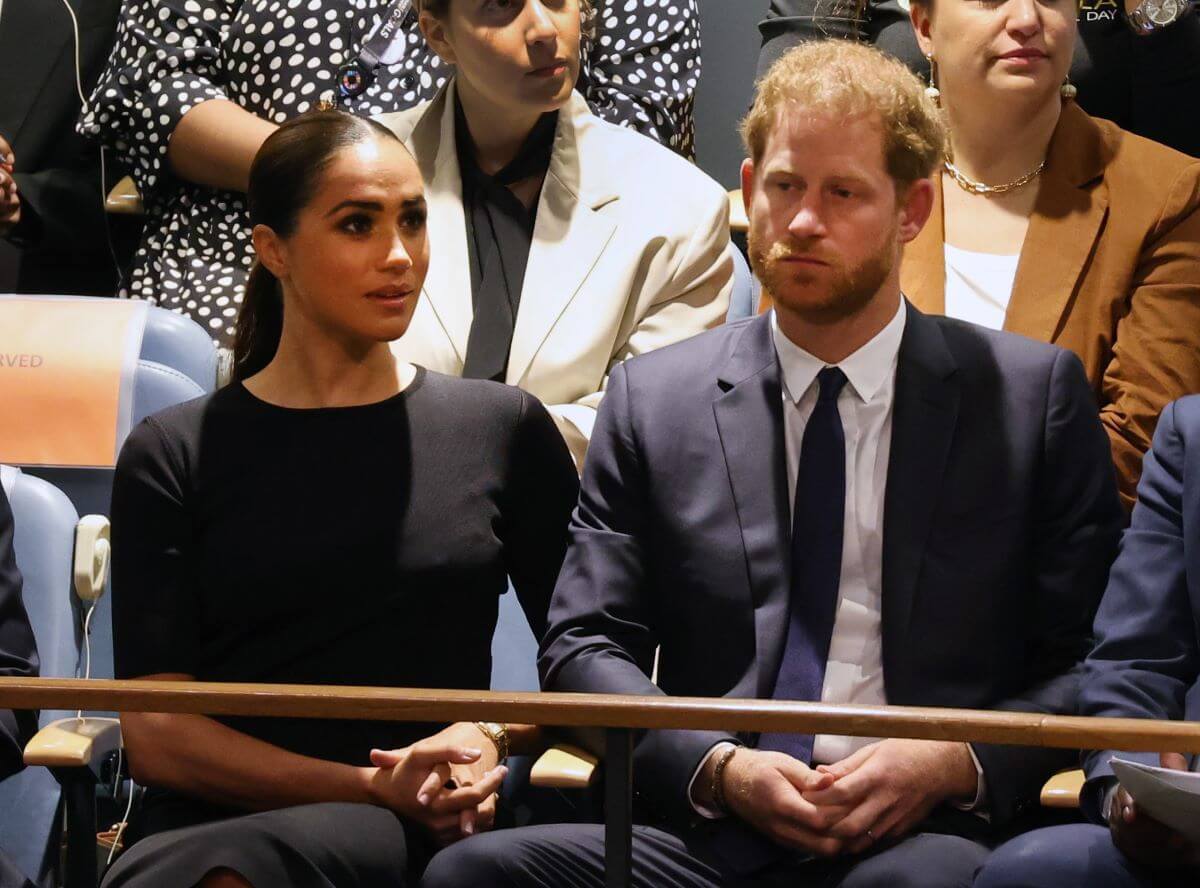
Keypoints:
(333, 516)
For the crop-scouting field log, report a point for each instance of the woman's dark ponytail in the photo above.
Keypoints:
(284, 177)
(259, 323)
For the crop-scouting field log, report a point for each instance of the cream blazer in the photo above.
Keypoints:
(629, 253)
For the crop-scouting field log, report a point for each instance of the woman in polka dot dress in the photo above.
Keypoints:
(194, 87)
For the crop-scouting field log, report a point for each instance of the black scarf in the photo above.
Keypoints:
(499, 234)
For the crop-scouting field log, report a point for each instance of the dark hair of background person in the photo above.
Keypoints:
(439, 8)
(283, 177)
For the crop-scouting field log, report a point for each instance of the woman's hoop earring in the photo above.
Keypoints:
(935, 94)
(1068, 90)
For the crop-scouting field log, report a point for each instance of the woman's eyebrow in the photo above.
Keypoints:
(375, 206)
(360, 204)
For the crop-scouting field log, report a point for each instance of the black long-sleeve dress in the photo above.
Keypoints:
(1146, 85)
(355, 546)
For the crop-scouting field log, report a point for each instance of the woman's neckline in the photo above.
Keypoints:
(965, 252)
(414, 384)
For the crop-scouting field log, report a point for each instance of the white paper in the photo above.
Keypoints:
(1170, 797)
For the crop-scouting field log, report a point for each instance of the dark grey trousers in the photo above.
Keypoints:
(572, 856)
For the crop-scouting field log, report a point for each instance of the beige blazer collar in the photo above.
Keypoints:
(1068, 217)
(568, 238)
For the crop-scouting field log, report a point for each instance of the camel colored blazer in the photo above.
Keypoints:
(629, 253)
(1110, 269)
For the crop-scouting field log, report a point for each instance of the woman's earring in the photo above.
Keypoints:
(935, 94)
(1068, 90)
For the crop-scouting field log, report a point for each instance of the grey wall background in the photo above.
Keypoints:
(729, 43)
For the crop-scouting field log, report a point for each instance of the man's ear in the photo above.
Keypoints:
(269, 249)
(747, 184)
(434, 30)
(915, 207)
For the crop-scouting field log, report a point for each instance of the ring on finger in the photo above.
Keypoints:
(871, 836)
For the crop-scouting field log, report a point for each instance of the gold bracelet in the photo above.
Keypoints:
(718, 783)
(498, 734)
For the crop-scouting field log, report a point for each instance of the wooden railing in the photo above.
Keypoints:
(620, 715)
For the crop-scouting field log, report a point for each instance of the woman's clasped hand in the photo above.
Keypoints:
(446, 783)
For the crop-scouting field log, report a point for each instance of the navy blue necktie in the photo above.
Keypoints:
(817, 518)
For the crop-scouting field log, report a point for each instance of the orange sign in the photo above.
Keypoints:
(66, 378)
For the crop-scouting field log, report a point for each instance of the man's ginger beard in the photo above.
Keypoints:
(850, 289)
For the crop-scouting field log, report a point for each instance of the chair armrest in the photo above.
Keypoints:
(564, 767)
(1062, 790)
(124, 199)
(74, 742)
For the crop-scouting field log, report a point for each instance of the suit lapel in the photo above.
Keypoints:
(447, 287)
(923, 266)
(1067, 219)
(568, 238)
(923, 418)
(749, 416)
(33, 37)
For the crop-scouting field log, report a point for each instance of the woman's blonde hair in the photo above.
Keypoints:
(846, 79)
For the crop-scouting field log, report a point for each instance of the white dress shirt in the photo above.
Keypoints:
(979, 286)
(854, 670)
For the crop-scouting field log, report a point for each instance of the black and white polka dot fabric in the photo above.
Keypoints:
(278, 59)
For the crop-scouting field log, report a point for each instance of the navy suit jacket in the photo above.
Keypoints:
(18, 652)
(1146, 663)
(1000, 522)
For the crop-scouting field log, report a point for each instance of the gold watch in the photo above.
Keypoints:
(498, 734)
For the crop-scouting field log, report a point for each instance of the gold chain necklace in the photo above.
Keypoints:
(972, 187)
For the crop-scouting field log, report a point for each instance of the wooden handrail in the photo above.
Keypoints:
(600, 710)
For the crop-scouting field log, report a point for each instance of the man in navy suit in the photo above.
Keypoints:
(843, 500)
(1146, 664)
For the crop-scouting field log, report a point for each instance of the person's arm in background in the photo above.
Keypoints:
(10, 196)
(162, 103)
(694, 298)
(18, 652)
(215, 142)
(642, 67)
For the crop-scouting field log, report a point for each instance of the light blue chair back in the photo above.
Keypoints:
(743, 301)
(44, 539)
(177, 362)
(514, 649)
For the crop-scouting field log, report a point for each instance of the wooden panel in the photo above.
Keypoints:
(601, 710)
